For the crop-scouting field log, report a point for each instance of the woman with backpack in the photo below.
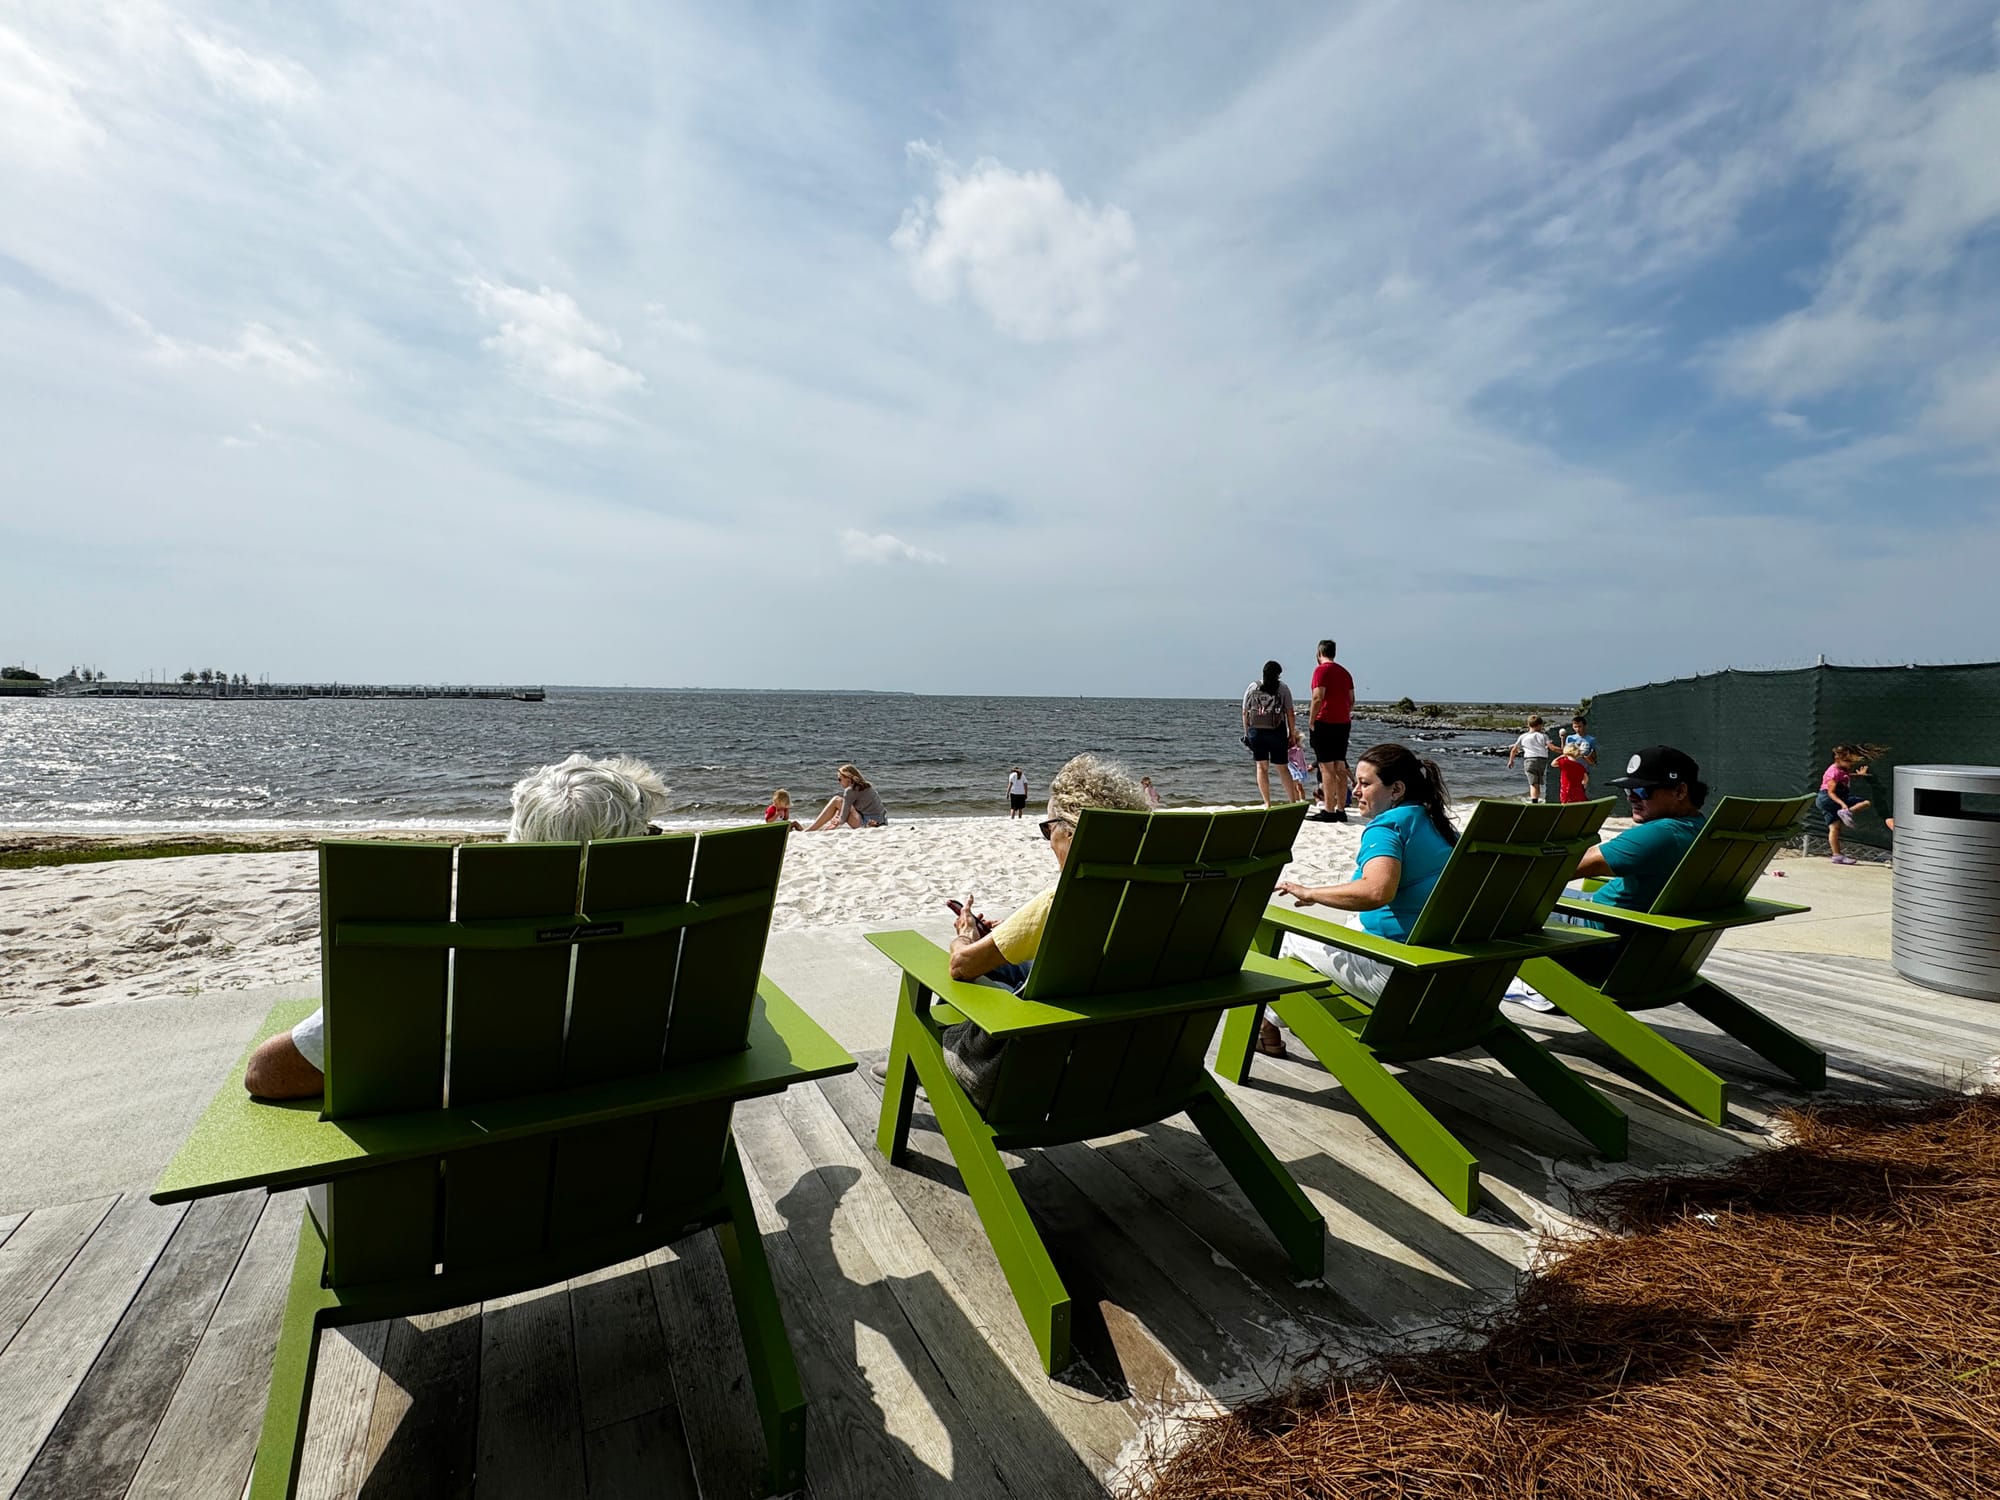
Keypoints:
(1270, 729)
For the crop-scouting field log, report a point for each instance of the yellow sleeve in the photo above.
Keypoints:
(1019, 937)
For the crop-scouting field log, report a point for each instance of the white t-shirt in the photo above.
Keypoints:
(1017, 785)
(1534, 745)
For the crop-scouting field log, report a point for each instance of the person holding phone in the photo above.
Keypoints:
(1002, 953)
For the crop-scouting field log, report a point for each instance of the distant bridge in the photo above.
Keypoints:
(262, 691)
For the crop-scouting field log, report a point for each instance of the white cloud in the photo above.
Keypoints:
(658, 318)
(258, 349)
(248, 75)
(40, 119)
(548, 342)
(1916, 156)
(1041, 264)
(862, 547)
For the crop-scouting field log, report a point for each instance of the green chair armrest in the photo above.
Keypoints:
(241, 1142)
(1618, 918)
(1548, 941)
(999, 1013)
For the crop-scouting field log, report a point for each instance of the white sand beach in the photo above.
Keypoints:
(138, 929)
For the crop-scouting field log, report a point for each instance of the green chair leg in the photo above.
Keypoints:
(1284, 1207)
(1017, 1244)
(1762, 1035)
(774, 1377)
(899, 1094)
(1588, 1112)
(1413, 1130)
(1697, 1087)
(1238, 1042)
(282, 1442)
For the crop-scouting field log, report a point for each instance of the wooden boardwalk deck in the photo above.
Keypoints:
(135, 1341)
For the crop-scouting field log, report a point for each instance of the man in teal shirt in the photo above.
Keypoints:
(1665, 791)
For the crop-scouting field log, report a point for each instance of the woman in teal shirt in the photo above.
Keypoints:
(1403, 851)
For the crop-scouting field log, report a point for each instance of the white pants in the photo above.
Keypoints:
(1362, 977)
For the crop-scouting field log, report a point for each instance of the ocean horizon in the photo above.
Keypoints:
(137, 765)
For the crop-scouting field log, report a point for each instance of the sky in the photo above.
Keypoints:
(1528, 351)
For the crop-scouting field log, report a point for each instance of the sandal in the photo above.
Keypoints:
(1270, 1040)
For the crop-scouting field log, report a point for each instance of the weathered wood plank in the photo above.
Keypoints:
(49, 1358)
(984, 1354)
(641, 1458)
(1269, 1342)
(97, 1444)
(1371, 1181)
(334, 1459)
(1099, 1429)
(711, 1379)
(37, 1253)
(530, 1427)
(621, 1350)
(1397, 1287)
(9, 1223)
(207, 1439)
(423, 1429)
(858, 1309)
(849, 1448)
(1318, 1310)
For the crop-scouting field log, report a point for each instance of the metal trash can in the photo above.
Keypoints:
(1945, 930)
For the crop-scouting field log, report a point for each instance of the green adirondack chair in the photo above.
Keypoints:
(1657, 960)
(1482, 919)
(1147, 945)
(490, 1125)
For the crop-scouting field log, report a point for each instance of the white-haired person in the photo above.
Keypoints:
(855, 805)
(578, 799)
(1004, 955)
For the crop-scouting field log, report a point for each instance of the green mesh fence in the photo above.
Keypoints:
(1771, 734)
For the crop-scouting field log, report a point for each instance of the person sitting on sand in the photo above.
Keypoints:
(579, 799)
(1004, 955)
(1403, 851)
(780, 810)
(857, 806)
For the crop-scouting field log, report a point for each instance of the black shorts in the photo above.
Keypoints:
(1268, 744)
(1329, 741)
(1017, 800)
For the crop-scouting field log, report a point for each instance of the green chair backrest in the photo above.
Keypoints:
(1729, 855)
(1737, 839)
(1502, 881)
(1153, 899)
(1145, 901)
(540, 967)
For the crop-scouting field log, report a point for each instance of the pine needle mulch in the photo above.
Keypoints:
(1820, 1320)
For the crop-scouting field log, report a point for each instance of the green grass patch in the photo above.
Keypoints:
(39, 859)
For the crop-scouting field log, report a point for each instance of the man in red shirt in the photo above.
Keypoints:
(1331, 723)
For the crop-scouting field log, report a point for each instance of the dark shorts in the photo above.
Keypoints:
(1828, 808)
(1329, 741)
(1017, 800)
(1268, 744)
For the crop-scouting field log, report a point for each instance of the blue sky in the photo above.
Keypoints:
(1528, 350)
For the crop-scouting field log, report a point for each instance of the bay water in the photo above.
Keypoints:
(140, 764)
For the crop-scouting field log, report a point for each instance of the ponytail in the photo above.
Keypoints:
(1422, 781)
(1272, 672)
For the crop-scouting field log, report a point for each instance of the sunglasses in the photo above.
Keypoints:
(1640, 793)
(1048, 826)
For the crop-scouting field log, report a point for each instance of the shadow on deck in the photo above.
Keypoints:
(135, 1341)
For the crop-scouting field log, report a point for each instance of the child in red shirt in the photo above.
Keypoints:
(1575, 775)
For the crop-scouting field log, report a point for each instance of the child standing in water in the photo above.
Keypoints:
(1836, 794)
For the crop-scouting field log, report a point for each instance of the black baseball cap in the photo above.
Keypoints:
(1659, 765)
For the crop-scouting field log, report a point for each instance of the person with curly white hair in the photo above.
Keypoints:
(576, 799)
(1003, 954)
